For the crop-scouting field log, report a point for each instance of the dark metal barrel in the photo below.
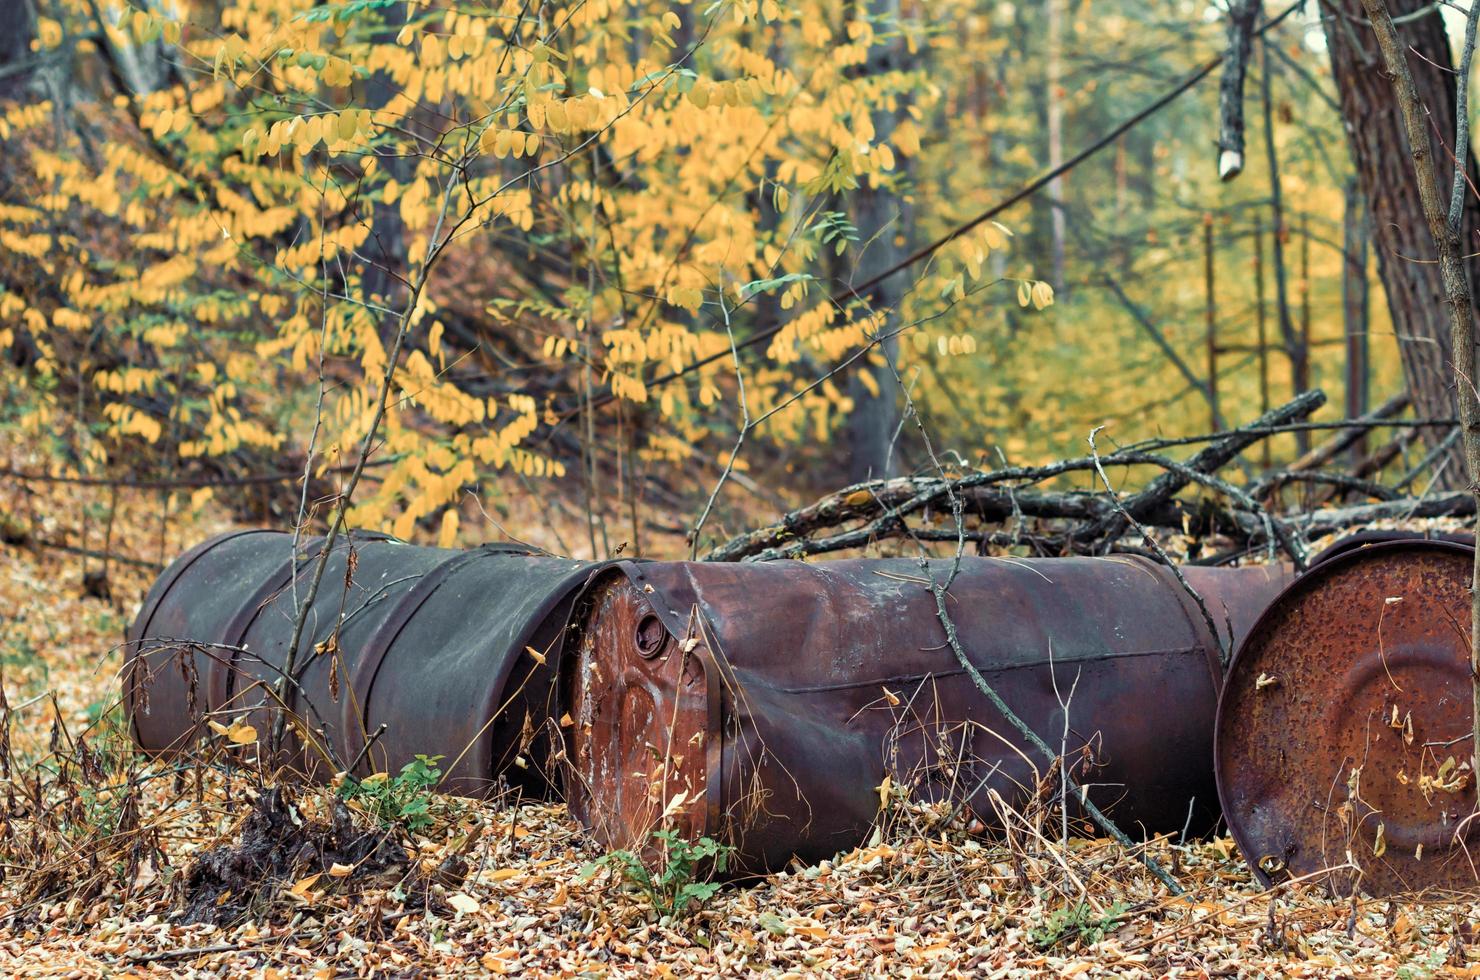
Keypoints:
(453, 652)
(764, 704)
(1344, 730)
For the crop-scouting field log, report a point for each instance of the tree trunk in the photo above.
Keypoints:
(1211, 317)
(1056, 137)
(1354, 313)
(1294, 348)
(17, 61)
(1380, 153)
(1263, 325)
(883, 224)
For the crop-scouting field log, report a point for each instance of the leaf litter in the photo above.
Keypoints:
(118, 866)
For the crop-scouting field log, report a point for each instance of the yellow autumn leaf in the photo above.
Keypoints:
(447, 536)
(302, 886)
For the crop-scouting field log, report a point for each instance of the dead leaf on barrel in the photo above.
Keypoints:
(676, 802)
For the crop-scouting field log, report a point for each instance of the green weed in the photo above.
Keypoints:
(403, 800)
(672, 888)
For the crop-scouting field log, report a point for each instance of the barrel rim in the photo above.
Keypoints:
(138, 631)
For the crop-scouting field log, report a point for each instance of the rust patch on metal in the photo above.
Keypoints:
(1344, 728)
(638, 723)
(807, 685)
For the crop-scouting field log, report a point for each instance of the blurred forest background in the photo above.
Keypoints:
(590, 255)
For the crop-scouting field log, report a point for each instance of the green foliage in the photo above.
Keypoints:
(1076, 921)
(759, 286)
(671, 888)
(402, 800)
(835, 228)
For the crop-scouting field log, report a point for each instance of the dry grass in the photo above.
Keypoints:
(98, 847)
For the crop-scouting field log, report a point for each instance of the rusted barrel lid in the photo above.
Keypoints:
(1365, 539)
(1343, 736)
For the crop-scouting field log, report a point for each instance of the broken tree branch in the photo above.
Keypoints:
(1209, 459)
(1242, 16)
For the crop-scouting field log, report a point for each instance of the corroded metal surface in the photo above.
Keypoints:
(453, 652)
(1344, 728)
(765, 704)
(1365, 539)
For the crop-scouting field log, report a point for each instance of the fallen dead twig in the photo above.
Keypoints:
(184, 953)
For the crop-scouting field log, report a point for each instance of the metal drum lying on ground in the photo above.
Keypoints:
(434, 644)
(764, 704)
(1344, 730)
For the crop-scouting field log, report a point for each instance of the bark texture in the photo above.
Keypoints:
(1380, 152)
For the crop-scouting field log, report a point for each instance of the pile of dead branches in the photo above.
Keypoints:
(1217, 521)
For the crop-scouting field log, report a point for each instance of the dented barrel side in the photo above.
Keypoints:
(406, 650)
(764, 704)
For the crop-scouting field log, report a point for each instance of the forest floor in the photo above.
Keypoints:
(499, 888)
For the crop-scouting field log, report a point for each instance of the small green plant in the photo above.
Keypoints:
(402, 800)
(671, 888)
(1077, 921)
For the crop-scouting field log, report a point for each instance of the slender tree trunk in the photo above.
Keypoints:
(385, 250)
(1211, 316)
(1302, 378)
(1380, 152)
(1293, 347)
(1122, 189)
(1263, 324)
(1354, 313)
(1056, 135)
(883, 224)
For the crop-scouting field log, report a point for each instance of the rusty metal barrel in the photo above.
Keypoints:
(1344, 731)
(452, 652)
(765, 704)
